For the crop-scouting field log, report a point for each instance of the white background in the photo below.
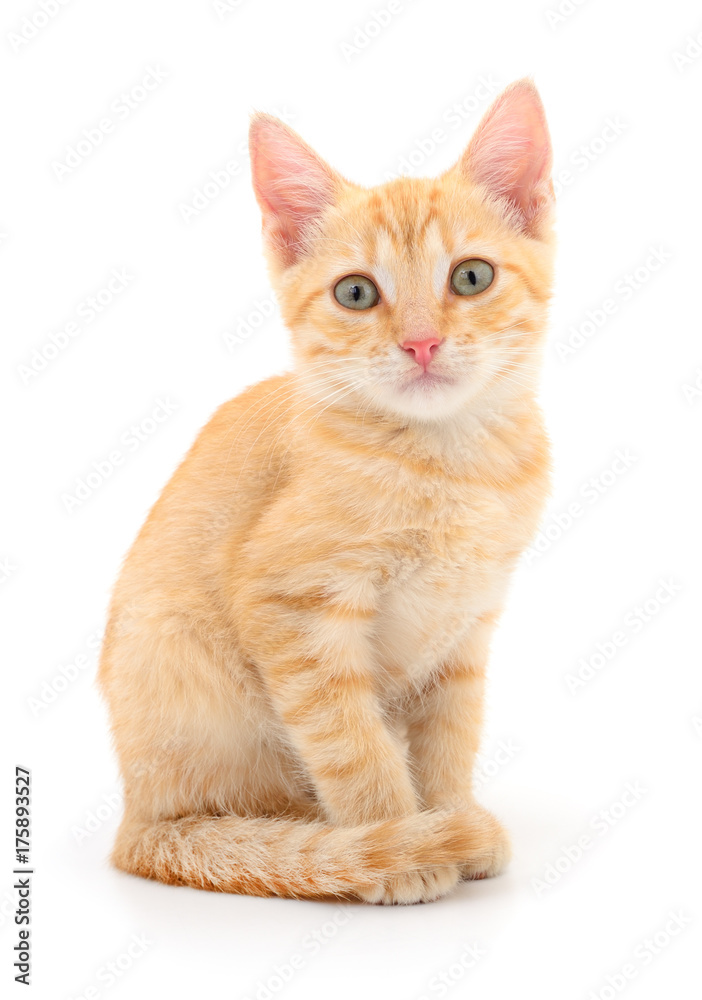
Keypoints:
(177, 332)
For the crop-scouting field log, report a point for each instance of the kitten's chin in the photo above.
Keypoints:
(427, 397)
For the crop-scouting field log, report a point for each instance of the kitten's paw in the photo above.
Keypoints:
(496, 858)
(414, 887)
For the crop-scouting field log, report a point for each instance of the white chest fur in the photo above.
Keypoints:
(442, 581)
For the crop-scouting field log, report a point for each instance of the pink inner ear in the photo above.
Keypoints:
(511, 151)
(292, 184)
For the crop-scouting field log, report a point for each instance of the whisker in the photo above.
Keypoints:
(294, 392)
(257, 407)
(346, 390)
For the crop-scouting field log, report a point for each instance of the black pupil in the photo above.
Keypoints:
(471, 277)
(356, 292)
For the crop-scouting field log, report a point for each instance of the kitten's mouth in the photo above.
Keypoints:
(427, 380)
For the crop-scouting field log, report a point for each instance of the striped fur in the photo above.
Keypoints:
(295, 656)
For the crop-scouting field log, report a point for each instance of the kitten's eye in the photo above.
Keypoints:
(356, 292)
(471, 276)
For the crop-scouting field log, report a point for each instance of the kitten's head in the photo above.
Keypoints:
(420, 297)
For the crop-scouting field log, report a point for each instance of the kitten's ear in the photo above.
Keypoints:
(510, 154)
(293, 185)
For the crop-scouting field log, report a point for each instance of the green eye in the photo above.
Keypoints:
(471, 276)
(356, 292)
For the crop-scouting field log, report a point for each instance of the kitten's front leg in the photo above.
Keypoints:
(315, 659)
(445, 724)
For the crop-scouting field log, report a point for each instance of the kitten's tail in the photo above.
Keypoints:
(281, 857)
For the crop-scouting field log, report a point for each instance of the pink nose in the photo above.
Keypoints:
(422, 350)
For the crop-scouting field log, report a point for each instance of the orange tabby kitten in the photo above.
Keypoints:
(296, 650)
